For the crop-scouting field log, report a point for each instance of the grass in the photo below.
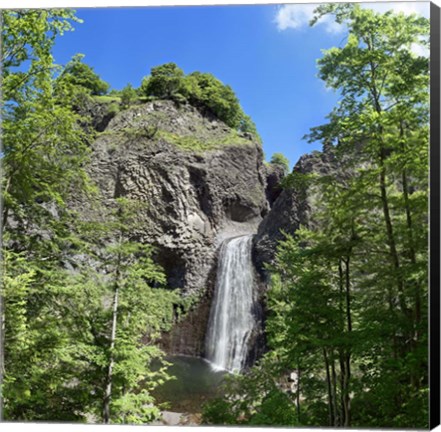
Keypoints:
(107, 99)
(190, 143)
(152, 125)
(184, 142)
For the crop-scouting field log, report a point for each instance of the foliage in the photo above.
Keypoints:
(347, 307)
(84, 303)
(124, 275)
(280, 160)
(128, 96)
(59, 370)
(66, 357)
(254, 398)
(80, 74)
(191, 143)
(201, 90)
(209, 94)
(165, 81)
(39, 130)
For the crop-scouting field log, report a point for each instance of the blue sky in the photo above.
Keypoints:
(266, 53)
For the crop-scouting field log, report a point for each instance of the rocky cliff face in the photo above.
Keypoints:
(292, 207)
(199, 182)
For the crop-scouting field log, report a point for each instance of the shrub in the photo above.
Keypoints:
(280, 160)
(128, 96)
(82, 75)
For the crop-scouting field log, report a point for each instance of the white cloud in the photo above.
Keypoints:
(408, 8)
(297, 16)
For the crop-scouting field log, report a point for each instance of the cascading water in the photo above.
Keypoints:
(231, 316)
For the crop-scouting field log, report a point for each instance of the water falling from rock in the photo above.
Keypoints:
(231, 316)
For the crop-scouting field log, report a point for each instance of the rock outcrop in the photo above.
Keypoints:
(274, 176)
(198, 182)
(292, 207)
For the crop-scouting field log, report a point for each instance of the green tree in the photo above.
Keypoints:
(165, 81)
(347, 306)
(43, 155)
(138, 311)
(384, 86)
(280, 160)
(128, 95)
(211, 95)
(39, 131)
(247, 126)
(201, 90)
(82, 75)
(101, 358)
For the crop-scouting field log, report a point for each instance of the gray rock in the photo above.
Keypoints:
(170, 418)
(274, 175)
(198, 181)
(291, 208)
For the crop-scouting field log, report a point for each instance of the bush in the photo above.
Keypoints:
(82, 75)
(218, 412)
(164, 82)
(280, 160)
(128, 96)
(208, 93)
(202, 90)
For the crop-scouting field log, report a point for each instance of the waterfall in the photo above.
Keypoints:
(231, 316)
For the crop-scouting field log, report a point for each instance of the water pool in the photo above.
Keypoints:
(196, 383)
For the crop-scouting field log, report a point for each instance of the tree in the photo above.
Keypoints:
(101, 358)
(43, 154)
(165, 81)
(211, 95)
(202, 90)
(347, 306)
(382, 115)
(128, 95)
(82, 75)
(142, 307)
(280, 160)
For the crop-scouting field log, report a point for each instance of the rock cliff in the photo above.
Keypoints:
(199, 182)
(292, 207)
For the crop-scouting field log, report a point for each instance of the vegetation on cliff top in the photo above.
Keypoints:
(166, 82)
(202, 90)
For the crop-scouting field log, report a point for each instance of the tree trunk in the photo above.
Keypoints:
(298, 394)
(108, 390)
(347, 374)
(391, 237)
(345, 352)
(382, 183)
(2, 351)
(337, 412)
(412, 256)
(328, 382)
